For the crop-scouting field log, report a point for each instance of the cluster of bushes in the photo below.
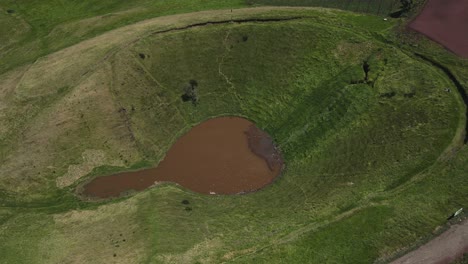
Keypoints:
(190, 92)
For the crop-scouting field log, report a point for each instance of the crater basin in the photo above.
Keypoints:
(224, 155)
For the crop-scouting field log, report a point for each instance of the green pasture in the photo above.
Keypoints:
(372, 139)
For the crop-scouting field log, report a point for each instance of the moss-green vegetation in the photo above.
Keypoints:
(369, 133)
(377, 7)
(37, 28)
(464, 260)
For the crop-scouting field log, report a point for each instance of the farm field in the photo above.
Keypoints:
(444, 22)
(371, 128)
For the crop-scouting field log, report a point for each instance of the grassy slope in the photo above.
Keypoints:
(38, 28)
(322, 134)
(378, 7)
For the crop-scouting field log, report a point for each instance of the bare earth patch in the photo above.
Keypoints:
(200, 253)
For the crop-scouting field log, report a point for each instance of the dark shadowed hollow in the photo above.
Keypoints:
(225, 155)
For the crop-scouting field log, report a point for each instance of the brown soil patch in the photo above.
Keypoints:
(444, 249)
(226, 155)
(445, 22)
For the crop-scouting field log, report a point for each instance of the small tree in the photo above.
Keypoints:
(406, 5)
(190, 93)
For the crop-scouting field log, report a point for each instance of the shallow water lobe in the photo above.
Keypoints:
(225, 155)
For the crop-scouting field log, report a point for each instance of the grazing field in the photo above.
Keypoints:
(371, 134)
(30, 29)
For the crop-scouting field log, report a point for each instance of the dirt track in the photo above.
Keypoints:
(445, 21)
(444, 249)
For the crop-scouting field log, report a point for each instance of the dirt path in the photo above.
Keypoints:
(444, 249)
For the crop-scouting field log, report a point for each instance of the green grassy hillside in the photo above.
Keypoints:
(376, 7)
(367, 129)
(37, 28)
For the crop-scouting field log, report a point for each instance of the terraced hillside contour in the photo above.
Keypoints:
(367, 130)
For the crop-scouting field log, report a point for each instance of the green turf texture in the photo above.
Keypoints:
(37, 28)
(362, 157)
(376, 7)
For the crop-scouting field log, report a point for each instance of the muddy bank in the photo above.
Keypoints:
(261, 144)
(226, 155)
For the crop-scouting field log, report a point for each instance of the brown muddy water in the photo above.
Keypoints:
(225, 155)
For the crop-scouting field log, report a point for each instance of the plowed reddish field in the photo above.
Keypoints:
(446, 22)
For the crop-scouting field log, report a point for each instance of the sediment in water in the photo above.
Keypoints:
(225, 155)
